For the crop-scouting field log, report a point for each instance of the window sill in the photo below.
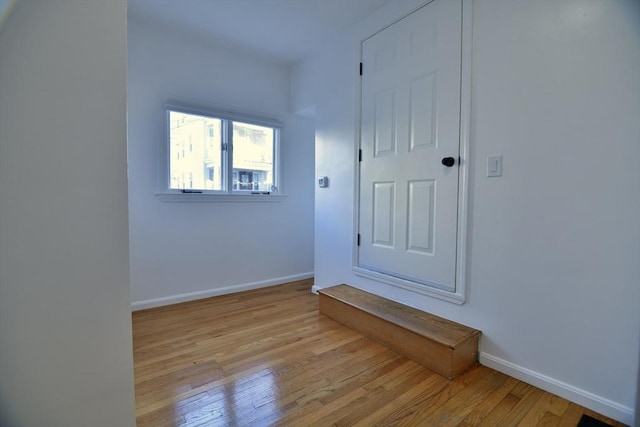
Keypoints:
(216, 198)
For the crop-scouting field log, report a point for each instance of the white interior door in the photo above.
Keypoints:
(410, 122)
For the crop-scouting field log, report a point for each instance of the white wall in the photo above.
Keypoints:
(554, 244)
(181, 251)
(65, 317)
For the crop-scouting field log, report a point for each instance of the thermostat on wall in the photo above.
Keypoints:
(323, 181)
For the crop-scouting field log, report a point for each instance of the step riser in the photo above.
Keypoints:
(442, 359)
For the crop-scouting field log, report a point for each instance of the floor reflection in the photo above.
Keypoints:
(235, 401)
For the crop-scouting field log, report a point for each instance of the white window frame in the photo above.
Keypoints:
(167, 194)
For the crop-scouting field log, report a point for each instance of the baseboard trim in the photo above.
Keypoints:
(584, 398)
(191, 296)
(315, 289)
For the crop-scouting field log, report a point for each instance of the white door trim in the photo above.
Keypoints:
(460, 293)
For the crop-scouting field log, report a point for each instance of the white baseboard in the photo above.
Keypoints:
(584, 398)
(191, 296)
(315, 289)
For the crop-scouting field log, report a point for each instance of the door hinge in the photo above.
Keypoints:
(225, 146)
(358, 239)
(361, 68)
(360, 155)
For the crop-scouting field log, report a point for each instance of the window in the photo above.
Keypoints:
(216, 154)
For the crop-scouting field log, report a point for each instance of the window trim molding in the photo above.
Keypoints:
(166, 194)
(217, 197)
(221, 113)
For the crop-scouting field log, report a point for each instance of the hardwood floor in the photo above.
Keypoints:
(267, 357)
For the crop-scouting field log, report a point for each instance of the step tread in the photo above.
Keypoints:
(438, 329)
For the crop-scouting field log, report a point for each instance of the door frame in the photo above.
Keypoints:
(458, 296)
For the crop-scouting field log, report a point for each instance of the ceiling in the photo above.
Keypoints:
(282, 29)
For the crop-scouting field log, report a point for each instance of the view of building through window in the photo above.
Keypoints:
(252, 157)
(195, 152)
(199, 151)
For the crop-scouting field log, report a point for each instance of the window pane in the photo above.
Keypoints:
(195, 152)
(252, 157)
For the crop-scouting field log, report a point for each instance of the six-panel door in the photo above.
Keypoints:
(410, 121)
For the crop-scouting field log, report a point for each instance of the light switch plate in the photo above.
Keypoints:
(494, 166)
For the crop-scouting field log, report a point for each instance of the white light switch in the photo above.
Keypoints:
(494, 166)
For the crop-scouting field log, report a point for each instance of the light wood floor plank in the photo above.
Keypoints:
(267, 357)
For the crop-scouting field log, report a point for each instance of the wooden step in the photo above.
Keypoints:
(441, 345)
